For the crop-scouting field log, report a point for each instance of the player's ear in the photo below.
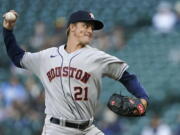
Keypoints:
(72, 27)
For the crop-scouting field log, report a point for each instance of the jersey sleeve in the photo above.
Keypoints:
(32, 62)
(112, 66)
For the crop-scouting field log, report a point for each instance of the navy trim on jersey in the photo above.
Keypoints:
(63, 88)
(132, 84)
(14, 52)
(80, 114)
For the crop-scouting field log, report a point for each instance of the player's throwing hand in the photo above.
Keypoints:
(10, 19)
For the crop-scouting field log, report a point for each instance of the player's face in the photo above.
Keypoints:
(83, 32)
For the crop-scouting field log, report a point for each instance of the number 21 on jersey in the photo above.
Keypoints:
(80, 93)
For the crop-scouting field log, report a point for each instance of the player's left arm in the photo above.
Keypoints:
(134, 86)
(118, 71)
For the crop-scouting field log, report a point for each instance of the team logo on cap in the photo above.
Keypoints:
(91, 15)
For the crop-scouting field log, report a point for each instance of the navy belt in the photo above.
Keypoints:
(70, 124)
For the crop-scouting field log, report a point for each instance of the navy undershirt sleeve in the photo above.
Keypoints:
(13, 50)
(132, 84)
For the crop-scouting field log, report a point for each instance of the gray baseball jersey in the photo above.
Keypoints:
(72, 81)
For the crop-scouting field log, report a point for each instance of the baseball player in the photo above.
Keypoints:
(71, 75)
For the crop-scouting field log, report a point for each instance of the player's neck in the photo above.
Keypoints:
(72, 46)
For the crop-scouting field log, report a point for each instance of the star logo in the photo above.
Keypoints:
(91, 15)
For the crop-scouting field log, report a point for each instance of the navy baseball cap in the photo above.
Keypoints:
(84, 16)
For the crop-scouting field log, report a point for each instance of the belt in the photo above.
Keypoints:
(70, 124)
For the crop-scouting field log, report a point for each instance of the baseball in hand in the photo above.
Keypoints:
(10, 16)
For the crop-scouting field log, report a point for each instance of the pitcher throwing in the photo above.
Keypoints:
(71, 75)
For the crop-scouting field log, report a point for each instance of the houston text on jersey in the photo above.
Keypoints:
(68, 71)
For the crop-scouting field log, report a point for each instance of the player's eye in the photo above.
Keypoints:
(85, 25)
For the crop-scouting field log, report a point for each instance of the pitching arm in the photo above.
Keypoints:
(13, 50)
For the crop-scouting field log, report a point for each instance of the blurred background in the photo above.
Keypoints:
(146, 34)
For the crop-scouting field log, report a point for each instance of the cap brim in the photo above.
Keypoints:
(97, 24)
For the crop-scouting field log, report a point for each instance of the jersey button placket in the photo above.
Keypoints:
(66, 78)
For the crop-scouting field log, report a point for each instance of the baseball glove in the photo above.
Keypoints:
(126, 106)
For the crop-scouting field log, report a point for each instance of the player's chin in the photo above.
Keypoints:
(87, 41)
